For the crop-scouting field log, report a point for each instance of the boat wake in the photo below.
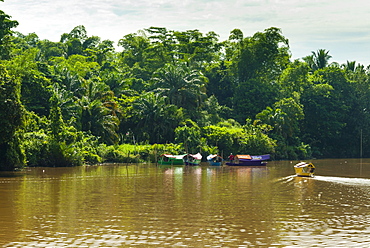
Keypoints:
(287, 178)
(341, 180)
(344, 180)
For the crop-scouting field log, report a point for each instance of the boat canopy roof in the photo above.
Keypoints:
(196, 156)
(212, 156)
(253, 157)
(304, 164)
(243, 156)
(173, 156)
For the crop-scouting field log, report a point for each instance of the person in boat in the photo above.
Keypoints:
(231, 157)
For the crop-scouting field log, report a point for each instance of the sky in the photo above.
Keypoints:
(338, 26)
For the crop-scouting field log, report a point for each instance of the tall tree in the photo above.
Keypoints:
(265, 53)
(49, 49)
(25, 67)
(12, 113)
(77, 42)
(294, 79)
(134, 46)
(6, 24)
(220, 82)
(195, 49)
(257, 62)
(327, 108)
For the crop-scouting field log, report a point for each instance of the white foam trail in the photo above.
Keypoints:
(345, 180)
(286, 179)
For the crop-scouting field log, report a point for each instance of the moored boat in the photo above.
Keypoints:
(192, 159)
(304, 169)
(169, 159)
(249, 160)
(214, 160)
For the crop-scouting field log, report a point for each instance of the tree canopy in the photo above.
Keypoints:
(78, 99)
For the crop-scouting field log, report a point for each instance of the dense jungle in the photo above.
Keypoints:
(84, 100)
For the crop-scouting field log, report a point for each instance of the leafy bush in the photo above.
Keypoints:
(43, 150)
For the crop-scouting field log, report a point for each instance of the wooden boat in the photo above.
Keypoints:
(249, 160)
(169, 159)
(214, 160)
(304, 169)
(192, 159)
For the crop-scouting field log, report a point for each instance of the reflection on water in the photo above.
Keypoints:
(203, 206)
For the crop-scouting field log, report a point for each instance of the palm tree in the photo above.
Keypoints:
(349, 66)
(99, 112)
(318, 60)
(155, 119)
(68, 80)
(321, 57)
(184, 87)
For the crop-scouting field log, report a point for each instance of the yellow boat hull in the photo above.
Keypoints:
(304, 169)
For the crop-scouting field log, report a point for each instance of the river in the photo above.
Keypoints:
(151, 206)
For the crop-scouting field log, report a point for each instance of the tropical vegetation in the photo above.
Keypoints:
(84, 100)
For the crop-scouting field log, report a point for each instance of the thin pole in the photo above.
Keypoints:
(361, 153)
(361, 144)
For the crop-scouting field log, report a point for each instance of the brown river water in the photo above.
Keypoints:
(151, 206)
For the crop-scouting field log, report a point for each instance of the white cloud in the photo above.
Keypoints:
(340, 26)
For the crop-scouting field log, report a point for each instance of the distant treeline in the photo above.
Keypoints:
(80, 101)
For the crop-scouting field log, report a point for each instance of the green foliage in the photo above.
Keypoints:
(43, 149)
(12, 154)
(251, 97)
(294, 79)
(263, 54)
(134, 47)
(152, 119)
(284, 118)
(5, 34)
(77, 64)
(49, 49)
(249, 139)
(25, 67)
(189, 134)
(11, 109)
(220, 82)
(221, 137)
(257, 62)
(212, 112)
(128, 153)
(318, 60)
(329, 113)
(86, 103)
(11, 121)
(256, 140)
(182, 86)
(98, 112)
(169, 148)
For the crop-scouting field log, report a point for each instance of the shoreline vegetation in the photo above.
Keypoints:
(79, 101)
